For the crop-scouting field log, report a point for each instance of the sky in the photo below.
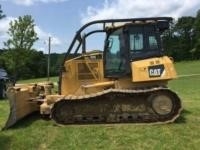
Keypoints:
(60, 19)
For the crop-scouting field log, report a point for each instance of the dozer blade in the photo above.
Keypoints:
(20, 104)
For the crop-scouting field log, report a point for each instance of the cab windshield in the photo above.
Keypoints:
(115, 60)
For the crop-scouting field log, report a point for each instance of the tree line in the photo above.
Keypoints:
(18, 57)
(182, 41)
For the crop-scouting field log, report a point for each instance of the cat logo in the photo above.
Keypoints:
(156, 71)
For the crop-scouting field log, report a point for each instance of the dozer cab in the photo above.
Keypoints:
(126, 82)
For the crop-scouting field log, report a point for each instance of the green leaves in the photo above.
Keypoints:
(22, 33)
(1, 13)
(19, 47)
(182, 42)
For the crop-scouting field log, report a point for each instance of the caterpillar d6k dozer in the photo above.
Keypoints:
(126, 82)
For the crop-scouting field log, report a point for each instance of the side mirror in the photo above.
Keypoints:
(109, 43)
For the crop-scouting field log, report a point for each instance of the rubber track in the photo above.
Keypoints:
(70, 110)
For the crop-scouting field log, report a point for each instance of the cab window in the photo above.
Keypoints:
(153, 44)
(115, 61)
(136, 42)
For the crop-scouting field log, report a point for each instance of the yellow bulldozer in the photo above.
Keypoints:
(125, 82)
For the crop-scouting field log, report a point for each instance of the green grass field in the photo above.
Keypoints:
(184, 134)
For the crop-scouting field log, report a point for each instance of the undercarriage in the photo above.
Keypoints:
(151, 105)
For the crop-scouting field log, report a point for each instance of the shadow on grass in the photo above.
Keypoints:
(5, 142)
(182, 117)
(27, 121)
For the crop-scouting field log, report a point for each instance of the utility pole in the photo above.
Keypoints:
(48, 61)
